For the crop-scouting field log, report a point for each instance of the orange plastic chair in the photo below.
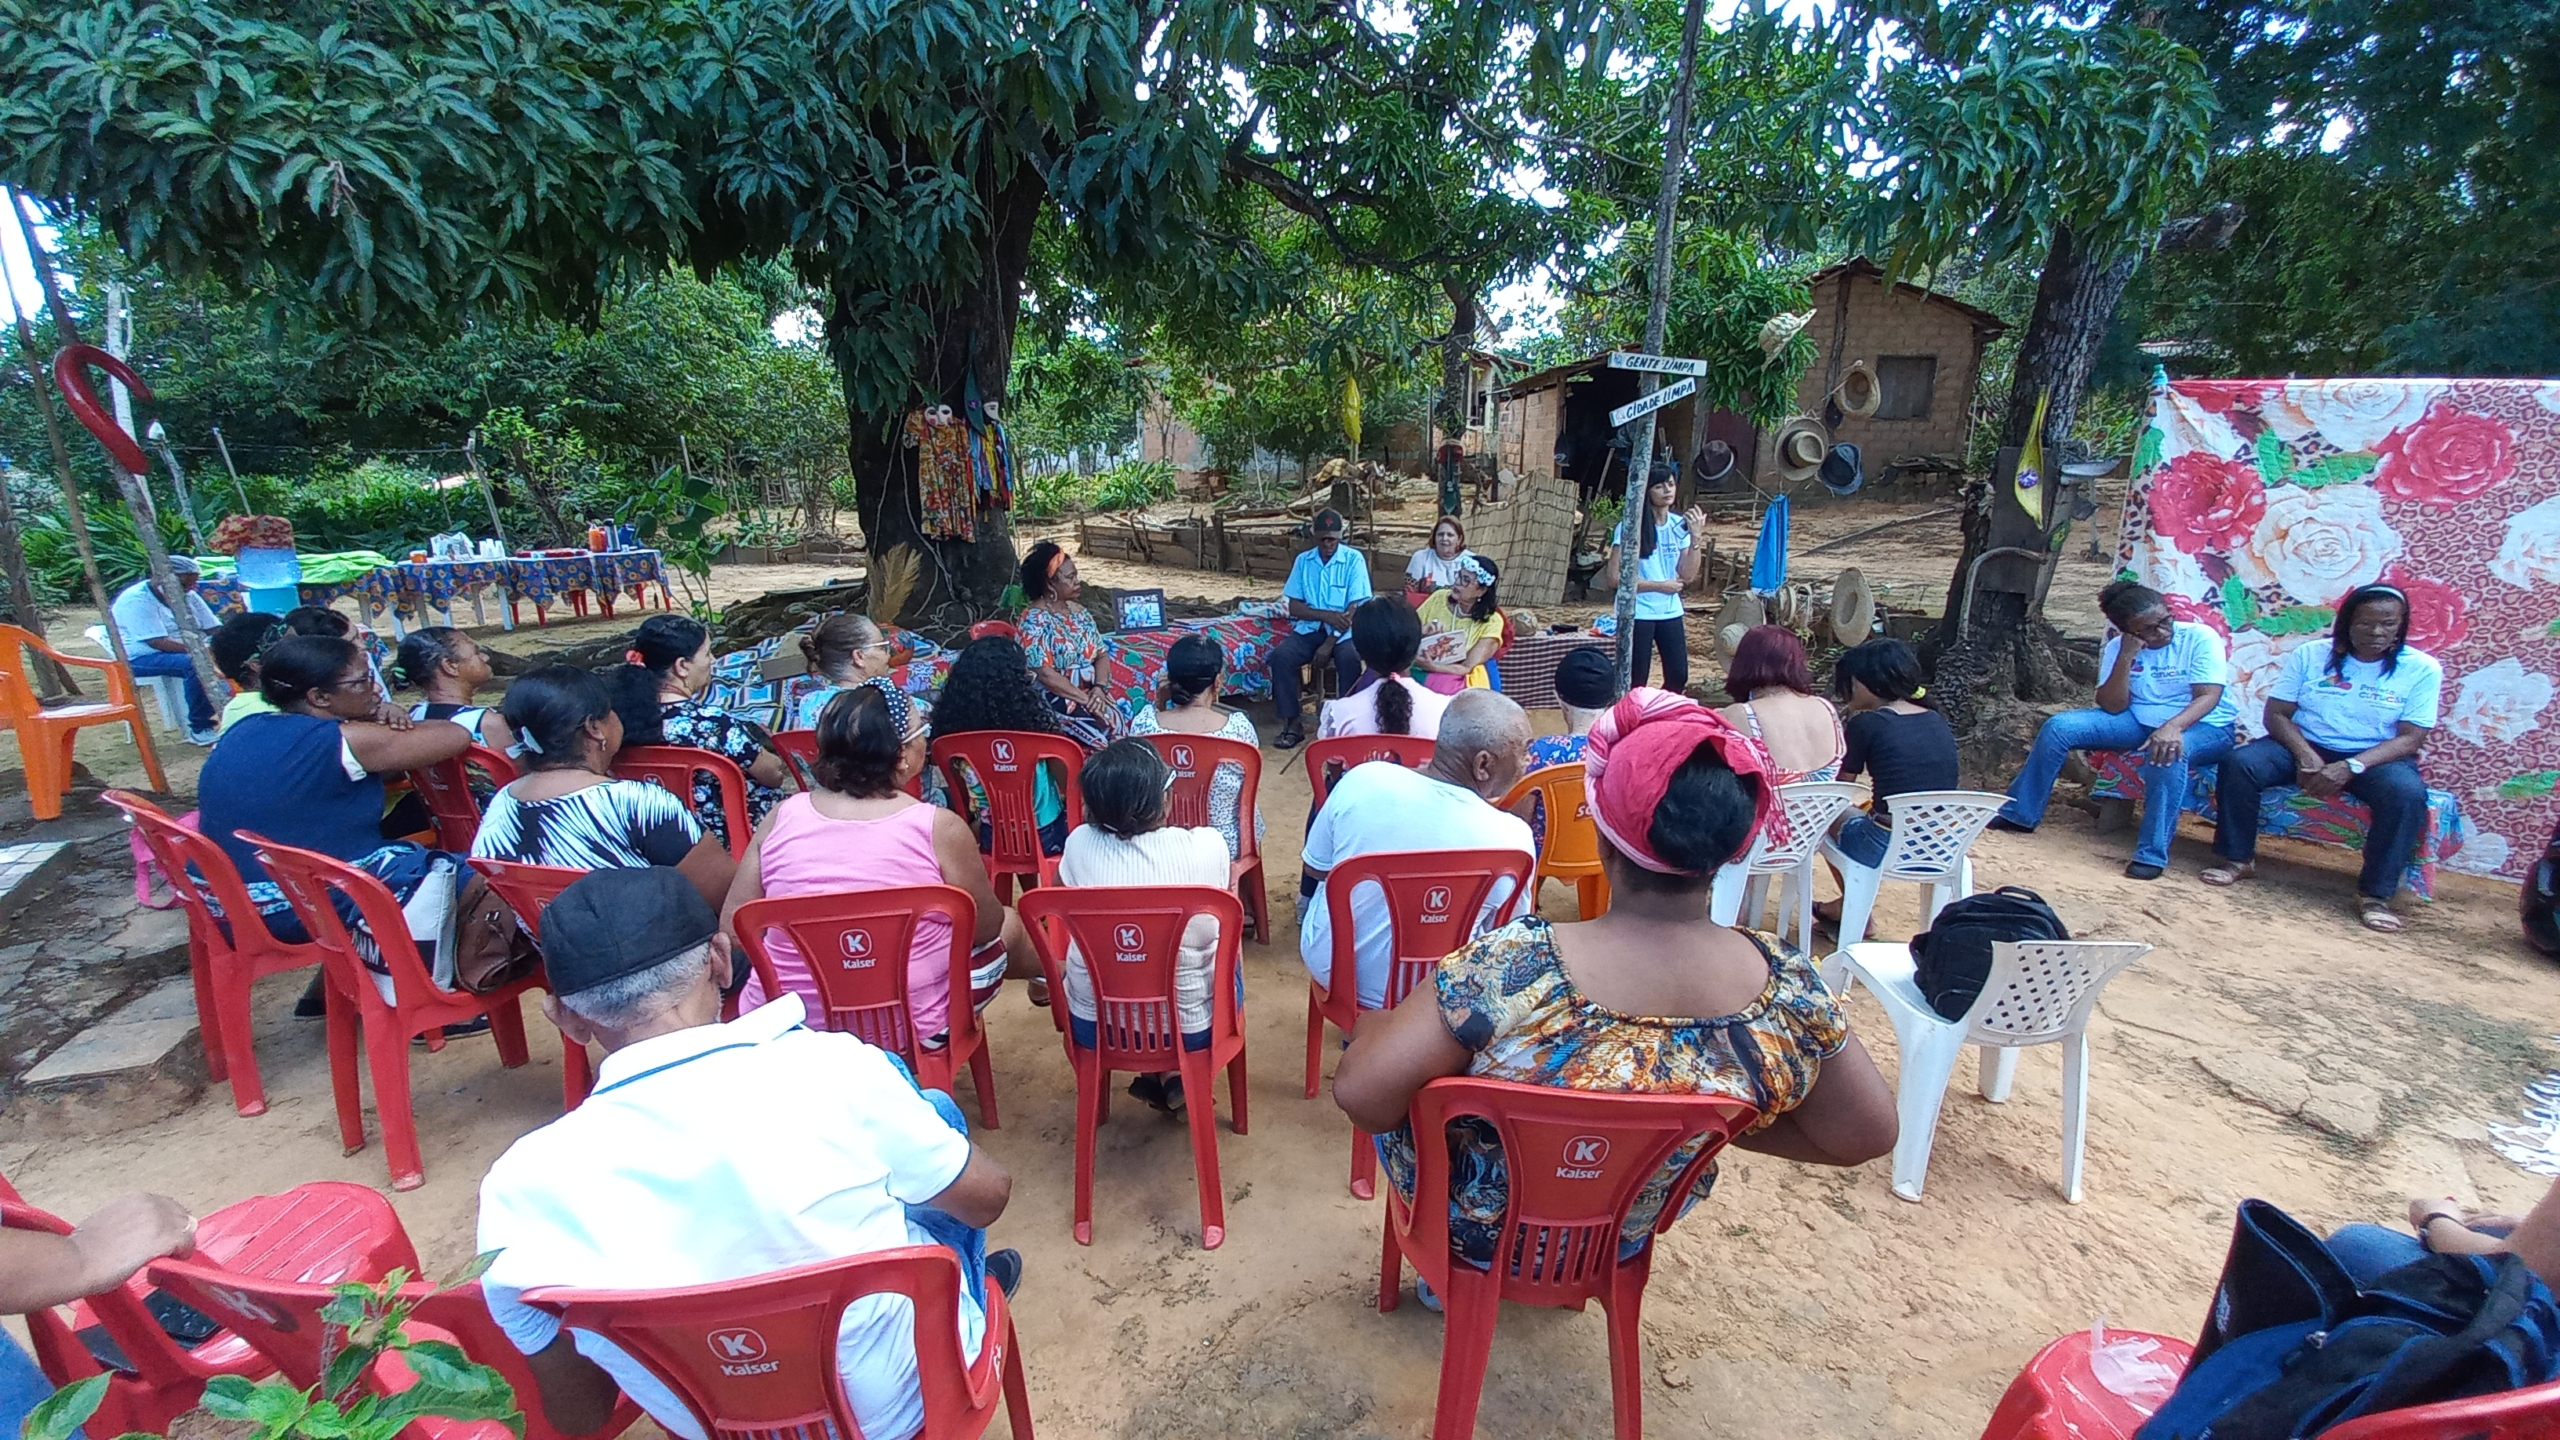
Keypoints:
(319, 1233)
(784, 1324)
(446, 787)
(1327, 759)
(672, 768)
(1576, 1160)
(1006, 763)
(1572, 850)
(1433, 899)
(1139, 929)
(528, 889)
(282, 1319)
(45, 736)
(225, 958)
(843, 937)
(358, 1011)
(1194, 760)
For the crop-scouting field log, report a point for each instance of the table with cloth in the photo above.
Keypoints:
(2295, 815)
(1528, 665)
(544, 579)
(1134, 661)
(418, 584)
(326, 579)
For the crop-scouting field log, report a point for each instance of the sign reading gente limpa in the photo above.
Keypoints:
(1658, 364)
(1637, 410)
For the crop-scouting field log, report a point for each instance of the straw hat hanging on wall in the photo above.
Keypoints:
(1802, 442)
(1858, 392)
(1741, 611)
(1853, 607)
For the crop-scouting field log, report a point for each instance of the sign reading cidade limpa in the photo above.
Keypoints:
(1638, 409)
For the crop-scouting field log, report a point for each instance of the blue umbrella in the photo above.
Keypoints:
(1769, 557)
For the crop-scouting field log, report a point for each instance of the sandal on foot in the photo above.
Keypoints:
(1038, 990)
(2380, 918)
(2227, 875)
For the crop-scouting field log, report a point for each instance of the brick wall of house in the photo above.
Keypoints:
(1884, 322)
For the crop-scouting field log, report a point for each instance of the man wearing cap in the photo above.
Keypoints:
(1586, 684)
(151, 644)
(713, 1152)
(1325, 585)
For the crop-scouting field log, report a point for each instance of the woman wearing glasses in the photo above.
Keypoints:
(844, 650)
(2159, 697)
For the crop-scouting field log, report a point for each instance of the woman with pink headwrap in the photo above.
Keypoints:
(1651, 997)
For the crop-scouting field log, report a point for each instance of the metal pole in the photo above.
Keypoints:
(222, 446)
(1666, 213)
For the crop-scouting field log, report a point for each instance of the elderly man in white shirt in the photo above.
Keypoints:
(151, 645)
(1482, 751)
(712, 1152)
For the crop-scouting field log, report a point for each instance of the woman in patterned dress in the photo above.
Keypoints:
(1652, 997)
(676, 649)
(1065, 648)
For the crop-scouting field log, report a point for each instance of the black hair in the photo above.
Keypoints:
(1388, 636)
(662, 640)
(548, 709)
(990, 688)
(293, 667)
(2122, 601)
(832, 643)
(2342, 641)
(317, 620)
(1490, 601)
(1191, 669)
(1888, 668)
(1702, 822)
(1123, 787)
(858, 744)
(633, 693)
(238, 639)
(422, 653)
(1035, 569)
(1658, 475)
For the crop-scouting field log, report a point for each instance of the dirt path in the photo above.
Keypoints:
(1796, 1301)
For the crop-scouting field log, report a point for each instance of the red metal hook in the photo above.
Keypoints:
(71, 376)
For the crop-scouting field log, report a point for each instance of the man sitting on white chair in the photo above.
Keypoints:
(713, 1152)
(151, 646)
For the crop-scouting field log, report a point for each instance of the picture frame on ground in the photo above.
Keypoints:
(1140, 609)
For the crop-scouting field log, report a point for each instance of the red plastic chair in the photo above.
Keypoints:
(2532, 1413)
(1433, 899)
(1576, 1160)
(528, 890)
(356, 1007)
(985, 628)
(843, 937)
(1139, 928)
(322, 1232)
(45, 736)
(786, 1324)
(1572, 849)
(672, 768)
(225, 958)
(799, 750)
(1194, 760)
(1328, 759)
(446, 787)
(1006, 763)
(282, 1319)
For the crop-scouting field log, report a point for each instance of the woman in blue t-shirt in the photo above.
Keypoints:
(1667, 560)
(2161, 698)
(2349, 716)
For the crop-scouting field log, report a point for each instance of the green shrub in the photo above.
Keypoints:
(1133, 486)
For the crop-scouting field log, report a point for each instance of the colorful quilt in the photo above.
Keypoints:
(2341, 820)
(738, 687)
(1133, 665)
(2256, 505)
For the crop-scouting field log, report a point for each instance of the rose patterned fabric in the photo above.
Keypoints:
(2256, 505)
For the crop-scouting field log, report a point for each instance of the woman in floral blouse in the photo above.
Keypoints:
(1065, 648)
(676, 651)
(1652, 997)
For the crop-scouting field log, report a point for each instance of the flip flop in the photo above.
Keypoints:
(2380, 918)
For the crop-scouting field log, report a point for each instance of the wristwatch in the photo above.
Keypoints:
(2355, 767)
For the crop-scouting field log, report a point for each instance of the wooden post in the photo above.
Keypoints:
(471, 456)
(237, 488)
(74, 518)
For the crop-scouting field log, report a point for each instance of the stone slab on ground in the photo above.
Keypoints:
(76, 949)
(28, 867)
(140, 1064)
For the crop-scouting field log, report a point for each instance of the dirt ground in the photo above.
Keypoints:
(2267, 1046)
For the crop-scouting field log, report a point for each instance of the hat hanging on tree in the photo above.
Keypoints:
(1714, 467)
(1781, 328)
(1853, 607)
(1858, 392)
(1840, 474)
(1802, 444)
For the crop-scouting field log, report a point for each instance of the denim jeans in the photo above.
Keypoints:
(2164, 787)
(963, 1239)
(2370, 1251)
(1862, 839)
(1293, 655)
(2394, 792)
(148, 663)
(22, 1385)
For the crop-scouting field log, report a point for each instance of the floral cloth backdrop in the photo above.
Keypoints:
(2256, 505)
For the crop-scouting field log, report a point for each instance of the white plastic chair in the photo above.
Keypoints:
(168, 690)
(2039, 992)
(1933, 833)
(1810, 806)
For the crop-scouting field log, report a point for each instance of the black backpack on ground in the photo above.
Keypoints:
(1954, 953)
(2539, 899)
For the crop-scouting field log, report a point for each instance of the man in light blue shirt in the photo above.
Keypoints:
(2160, 696)
(1325, 585)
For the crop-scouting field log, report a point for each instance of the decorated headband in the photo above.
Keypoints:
(1640, 743)
(902, 710)
(1057, 558)
(1468, 565)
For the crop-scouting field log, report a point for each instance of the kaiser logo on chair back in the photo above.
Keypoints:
(740, 1351)
(250, 1307)
(1182, 759)
(1128, 944)
(857, 949)
(1002, 750)
(1435, 904)
(1582, 1158)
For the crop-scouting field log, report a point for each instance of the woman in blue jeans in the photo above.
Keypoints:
(2446, 1228)
(2160, 698)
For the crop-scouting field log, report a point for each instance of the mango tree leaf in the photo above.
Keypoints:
(66, 1409)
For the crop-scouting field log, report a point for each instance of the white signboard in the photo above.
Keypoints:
(1677, 390)
(1658, 364)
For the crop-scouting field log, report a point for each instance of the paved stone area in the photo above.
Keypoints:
(75, 948)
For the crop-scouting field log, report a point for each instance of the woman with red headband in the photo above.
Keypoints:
(1651, 997)
(1065, 647)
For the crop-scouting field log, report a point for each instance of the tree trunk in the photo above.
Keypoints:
(957, 582)
(1454, 373)
(2003, 649)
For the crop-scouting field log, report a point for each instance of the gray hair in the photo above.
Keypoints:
(630, 1000)
(1479, 720)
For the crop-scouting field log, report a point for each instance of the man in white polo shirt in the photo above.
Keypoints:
(1482, 752)
(716, 1152)
(151, 644)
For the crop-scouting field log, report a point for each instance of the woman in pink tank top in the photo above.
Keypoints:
(860, 831)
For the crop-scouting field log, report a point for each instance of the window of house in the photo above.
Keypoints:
(1904, 384)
